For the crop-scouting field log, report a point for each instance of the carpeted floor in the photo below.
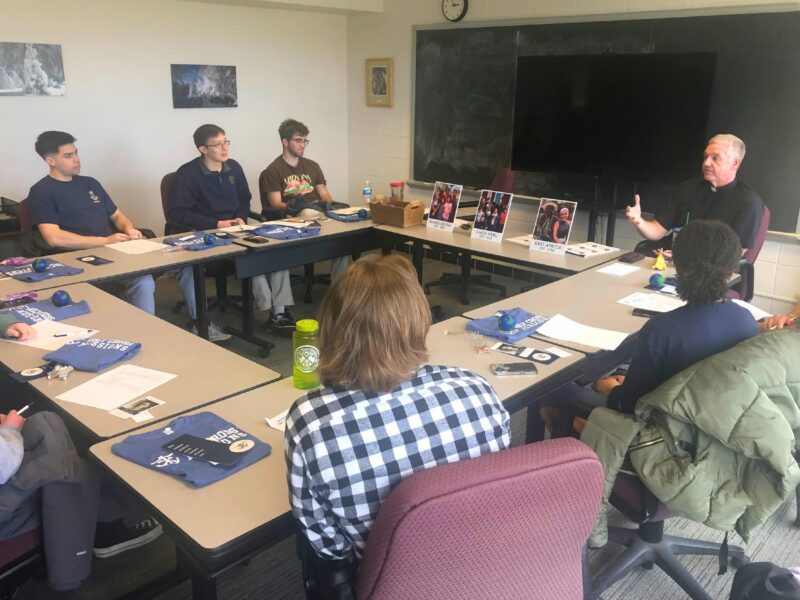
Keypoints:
(275, 573)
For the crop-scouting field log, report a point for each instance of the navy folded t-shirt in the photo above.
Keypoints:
(526, 324)
(93, 354)
(282, 232)
(351, 218)
(146, 449)
(45, 310)
(196, 241)
(26, 272)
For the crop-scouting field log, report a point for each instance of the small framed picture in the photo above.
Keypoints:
(378, 79)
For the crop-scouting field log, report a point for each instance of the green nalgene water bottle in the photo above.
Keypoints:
(305, 354)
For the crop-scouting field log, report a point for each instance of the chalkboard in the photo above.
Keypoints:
(465, 82)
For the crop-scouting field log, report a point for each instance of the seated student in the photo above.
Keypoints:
(705, 254)
(211, 191)
(780, 321)
(295, 185)
(72, 212)
(43, 483)
(382, 413)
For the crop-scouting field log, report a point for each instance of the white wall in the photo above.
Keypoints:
(117, 59)
(380, 138)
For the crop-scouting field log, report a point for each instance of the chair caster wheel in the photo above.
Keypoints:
(176, 310)
(263, 353)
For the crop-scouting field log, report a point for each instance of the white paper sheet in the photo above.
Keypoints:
(278, 421)
(560, 327)
(51, 335)
(116, 387)
(137, 246)
(589, 249)
(618, 269)
(523, 240)
(235, 228)
(757, 313)
(657, 302)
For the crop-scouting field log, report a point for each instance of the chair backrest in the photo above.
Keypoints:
(745, 289)
(752, 253)
(24, 215)
(167, 187)
(503, 181)
(511, 524)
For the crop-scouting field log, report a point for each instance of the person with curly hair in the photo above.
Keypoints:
(705, 254)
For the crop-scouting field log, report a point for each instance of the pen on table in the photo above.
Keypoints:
(70, 333)
(24, 408)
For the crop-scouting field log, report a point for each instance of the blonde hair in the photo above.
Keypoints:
(373, 324)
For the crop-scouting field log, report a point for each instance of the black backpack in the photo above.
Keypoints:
(764, 581)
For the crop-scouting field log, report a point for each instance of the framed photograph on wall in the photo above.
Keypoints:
(378, 78)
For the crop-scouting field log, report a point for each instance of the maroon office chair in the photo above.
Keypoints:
(745, 289)
(503, 182)
(20, 558)
(512, 524)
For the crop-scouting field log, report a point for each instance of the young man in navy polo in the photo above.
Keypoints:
(211, 191)
(73, 212)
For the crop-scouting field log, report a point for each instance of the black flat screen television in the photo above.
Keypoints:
(635, 118)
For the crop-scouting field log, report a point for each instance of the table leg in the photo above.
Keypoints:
(418, 253)
(534, 428)
(466, 261)
(199, 273)
(204, 587)
(247, 306)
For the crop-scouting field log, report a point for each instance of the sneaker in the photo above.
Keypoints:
(215, 333)
(114, 538)
(281, 324)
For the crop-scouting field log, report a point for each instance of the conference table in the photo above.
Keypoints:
(205, 372)
(250, 508)
(124, 265)
(460, 240)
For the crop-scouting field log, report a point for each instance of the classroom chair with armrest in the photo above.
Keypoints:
(511, 525)
(648, 545)
(502, 182)
(745, 289)
(270, 213)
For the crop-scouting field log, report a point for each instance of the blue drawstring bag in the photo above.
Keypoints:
(283, 232)
(525, 324)
(93, 354)
(146, 449)
(45, 310)
(197, 241)
(26, 273)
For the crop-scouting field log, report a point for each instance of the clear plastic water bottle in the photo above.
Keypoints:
(305, 353)
(366, 193)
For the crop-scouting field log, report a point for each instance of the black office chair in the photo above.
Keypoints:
(503, 182)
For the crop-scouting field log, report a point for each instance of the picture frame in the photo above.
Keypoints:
(378, 80)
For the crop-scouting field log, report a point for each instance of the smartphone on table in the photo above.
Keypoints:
(511, 369)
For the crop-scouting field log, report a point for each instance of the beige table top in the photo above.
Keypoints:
(122, 264)
(218, 514)
(206, 372)
(330, 227)
(506, 250)
(455, 348)
(590, 298)
(260, 492)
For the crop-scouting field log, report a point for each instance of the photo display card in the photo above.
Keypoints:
(444, 204)
(490, 218)
(553, 225)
